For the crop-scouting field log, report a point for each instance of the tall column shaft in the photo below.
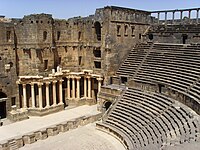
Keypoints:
(40, 94)
(68, 88)
(99, 84)
(73, 87)
(60, 92)
(189, 14)
(54, 92)
(181, 15)
(89, 87)
(165, 17)
(78, 87)
(197, 15)
(85, 87)
(33, 95)
(47, 94)
(24, 96)
(158, 17)
(173, 15)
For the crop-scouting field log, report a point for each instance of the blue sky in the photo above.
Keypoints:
(70, 8)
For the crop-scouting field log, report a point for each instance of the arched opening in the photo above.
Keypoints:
(184, 38)
(3, 98)
(97, 27)
(150, 36)
(107, 105)
(79, 35)
(44, 35)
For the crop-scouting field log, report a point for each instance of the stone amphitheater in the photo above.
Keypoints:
(118, 79)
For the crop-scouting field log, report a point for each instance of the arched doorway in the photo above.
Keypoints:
(97, 27)
(107, 105)
(184, 38)
(3, 98)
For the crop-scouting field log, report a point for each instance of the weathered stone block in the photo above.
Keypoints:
(29, 139)
(51, 131)
(38, 135)
(4, 145)
(44, 134)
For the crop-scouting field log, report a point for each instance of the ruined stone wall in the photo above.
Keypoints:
(178, 34)
(122, 29)
(68, 43)
(34, 43)
(75, 43)
(99, 42)
(8, 74)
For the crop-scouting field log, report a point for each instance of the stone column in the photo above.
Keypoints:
(89, 87)
(47, 94)
(33, 95)
(181, 16)
(54, 93)
(85, 87)
(173, 15)
(24, 96)
(197, 16)
(189, 14)
(60, 92)
(40, 94)
(68, 88)
(158, 17)
(165, 17)
(99, 84)
(78, 87)
(73, 88)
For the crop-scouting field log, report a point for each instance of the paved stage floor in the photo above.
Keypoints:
(82, 138)
(36, 123)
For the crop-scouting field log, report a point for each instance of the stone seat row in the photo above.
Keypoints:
(147, 125)
(175, 81)
(183, 61)
(174, 69)
(178, 68)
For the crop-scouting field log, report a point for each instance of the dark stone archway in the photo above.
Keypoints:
(97, 27)
(3, 98)
(107, 105)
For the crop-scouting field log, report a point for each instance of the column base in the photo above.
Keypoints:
(47, 106)
(80, 101)
(24, 108)
(61, 103)
(18, 115)
(46, 110)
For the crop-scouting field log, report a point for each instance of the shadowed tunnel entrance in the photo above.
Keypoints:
(3, 98)
(107, 105)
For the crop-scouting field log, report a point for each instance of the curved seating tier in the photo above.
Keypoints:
(151, 119)
(174, 65)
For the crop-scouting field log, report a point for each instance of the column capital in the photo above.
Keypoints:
(88, 77)
(24, 85)
(54, 81)
(78, 78)
(99, 78)
(39, 84)
(48, 82)
(61, 80)
(32, 83)
(72, 76)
